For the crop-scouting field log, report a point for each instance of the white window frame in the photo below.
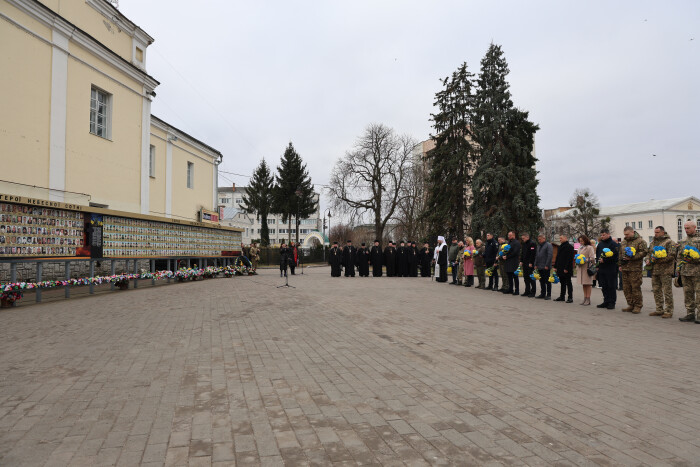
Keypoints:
(651, 224)
(190, 175)
(152, 162)
(104, 130)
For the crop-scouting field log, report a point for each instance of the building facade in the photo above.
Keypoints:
(231, 200)
(672, 214)
(76, 125)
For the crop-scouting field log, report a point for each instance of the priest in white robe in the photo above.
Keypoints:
(440, 258)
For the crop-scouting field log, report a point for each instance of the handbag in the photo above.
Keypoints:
(592, 270)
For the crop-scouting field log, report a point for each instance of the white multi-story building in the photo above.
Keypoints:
(644, 217)
(231, 199)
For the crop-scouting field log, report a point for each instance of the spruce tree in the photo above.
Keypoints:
(505, 181)
(451, 161)
(258, 199)
(293, 192)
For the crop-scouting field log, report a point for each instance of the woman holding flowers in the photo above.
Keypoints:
(468, 262)
(585, 259)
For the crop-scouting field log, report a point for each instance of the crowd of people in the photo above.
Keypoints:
(505, 260)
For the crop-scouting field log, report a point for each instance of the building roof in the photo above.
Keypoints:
(647, 206)
(168, 125)
(230, 213)
(229, 189)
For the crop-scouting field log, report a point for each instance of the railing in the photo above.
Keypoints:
(170, 264)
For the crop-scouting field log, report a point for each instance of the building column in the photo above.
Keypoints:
(145, 155)
(168, 177)
(57, 132)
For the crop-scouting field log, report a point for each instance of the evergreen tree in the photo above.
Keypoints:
(505, 182)
(451, 161)
(293, 192)
(258, 199)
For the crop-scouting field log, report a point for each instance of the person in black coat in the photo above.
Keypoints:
(425, 258)
(607, 270)
(335, 259)
(402, 260)
(390, 259)
(512, 259)
(284, 259)
(528, 253)
(376, 257)
(412, 259)
(363, 261)
(490, 253)
(349, 259)
(564, 267)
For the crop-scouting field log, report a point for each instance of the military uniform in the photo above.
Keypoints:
(460, 265)
(502, 271)
(662, 276)
(690, 274)
(632, 272)
(254, 256)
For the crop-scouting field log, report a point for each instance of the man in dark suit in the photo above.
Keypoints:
(564, 266)
(349, 259)
(512, 259)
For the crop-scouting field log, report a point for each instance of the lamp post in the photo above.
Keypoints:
(299, 250)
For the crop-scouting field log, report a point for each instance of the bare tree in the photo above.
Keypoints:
(340, 233)
(410, 224)
(584, 217)
(369, 180)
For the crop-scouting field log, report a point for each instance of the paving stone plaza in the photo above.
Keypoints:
(357, 371)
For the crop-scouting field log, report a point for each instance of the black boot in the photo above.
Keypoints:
(560, 299)
(689, 318)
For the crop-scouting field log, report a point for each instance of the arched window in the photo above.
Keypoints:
(680, 229)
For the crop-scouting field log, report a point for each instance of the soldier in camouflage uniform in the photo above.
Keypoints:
(254, 253)
(662, 273)
(631, 268)
(690, 274)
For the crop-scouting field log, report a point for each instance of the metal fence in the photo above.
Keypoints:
(271, 256)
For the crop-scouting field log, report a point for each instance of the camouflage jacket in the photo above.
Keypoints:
(691, 266)
(662, 265)
(479, 260)
(635, 262)
(253, 252)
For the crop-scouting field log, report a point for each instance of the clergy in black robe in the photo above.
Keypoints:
(335, 259)
(402, 260)
(441, 260)
(425, 258)
(349, 259)
(363, 261)
(390, 260)
(376, 259)
(412, 260)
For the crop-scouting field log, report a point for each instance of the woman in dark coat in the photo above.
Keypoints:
(284, 259)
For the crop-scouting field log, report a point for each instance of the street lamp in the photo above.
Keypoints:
(299, 250)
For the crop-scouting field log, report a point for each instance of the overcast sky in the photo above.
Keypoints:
(609, 83)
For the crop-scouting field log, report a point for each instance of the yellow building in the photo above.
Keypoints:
(76, 124)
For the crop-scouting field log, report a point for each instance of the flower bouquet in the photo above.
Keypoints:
(658, 252)
(553, 277)
(505, 248)
(467, 254)
(535, 276)
(490, 271)
(607, 253)
(519, 272)
(691, 253)
(8, 298)
(580, 260)
(630, 251)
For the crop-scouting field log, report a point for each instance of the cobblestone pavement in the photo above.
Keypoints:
(344, 372)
